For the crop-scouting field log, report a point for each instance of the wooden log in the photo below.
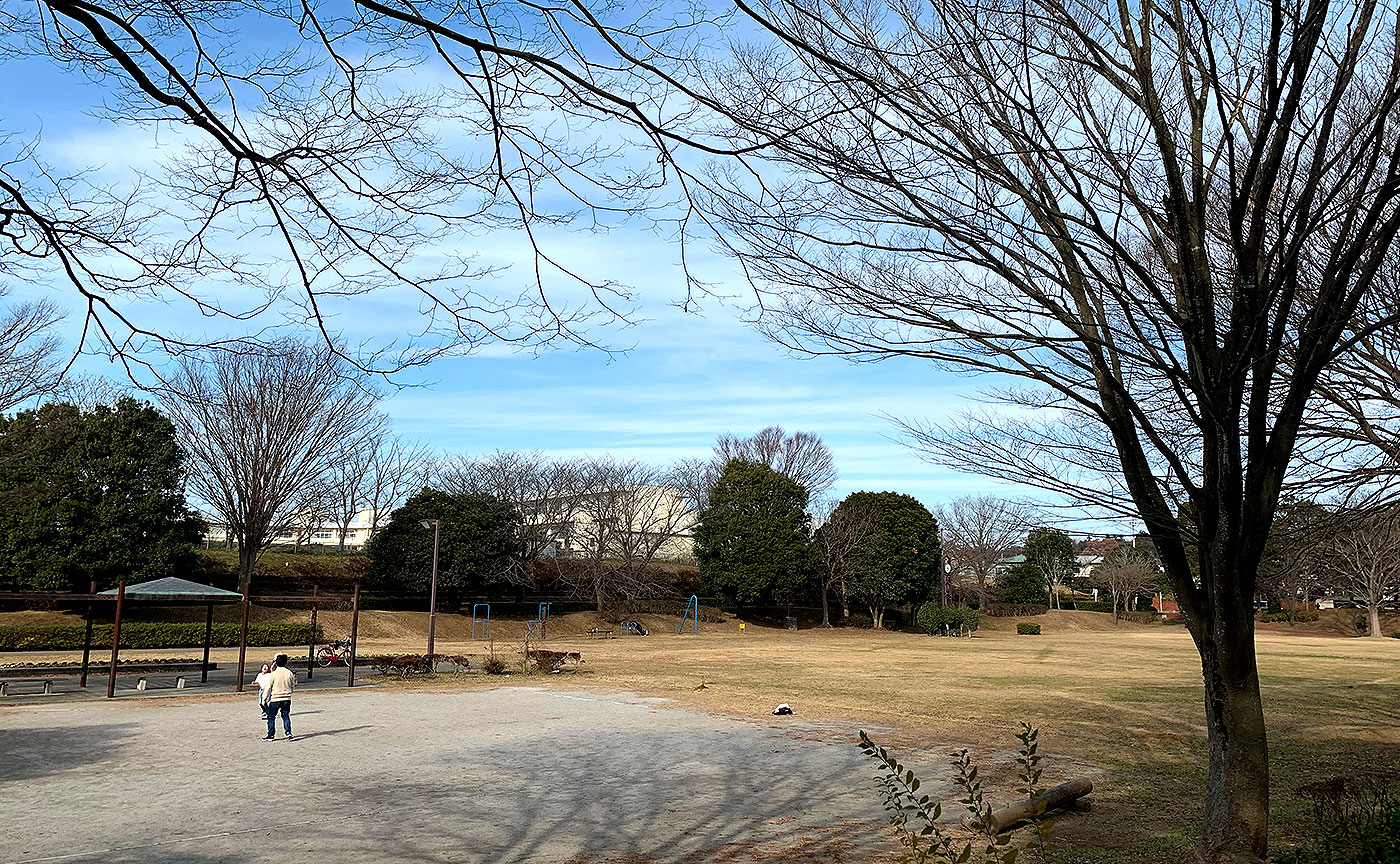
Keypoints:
(1050, 799)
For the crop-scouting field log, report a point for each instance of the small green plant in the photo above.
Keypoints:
(864, 622)
(1029, 759)
(915, 816)
(1026, 628)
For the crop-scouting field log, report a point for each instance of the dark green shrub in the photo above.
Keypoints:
(1026, 628)
(1289, 617)
(1015, 610)
(148, 634)
(1093, 606)
(936, 620)
(865, 622)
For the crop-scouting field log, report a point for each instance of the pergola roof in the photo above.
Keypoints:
(175, 590)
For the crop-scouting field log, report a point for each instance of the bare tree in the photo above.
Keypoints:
(1366, 560)
(631, 516)
(261, 430)
(373, 474)
(548, 493)
(1295, 556)
(332, 163)
(1156, 224)
(977, 532)
(801, 456)
(838, 534)
(397, 469)
(1125, 573)
(29, 362)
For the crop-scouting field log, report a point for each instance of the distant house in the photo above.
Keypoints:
(640, 521)
(307, 530)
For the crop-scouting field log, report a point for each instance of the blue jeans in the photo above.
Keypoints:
(285, 706)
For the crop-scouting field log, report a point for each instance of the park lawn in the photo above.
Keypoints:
(1120, 705)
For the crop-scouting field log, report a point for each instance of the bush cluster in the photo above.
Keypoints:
(147, 634)
(1015, 610)
(864, 622)
(1093, 605)
(938, 620)
(1274, 617)
(1026, 628)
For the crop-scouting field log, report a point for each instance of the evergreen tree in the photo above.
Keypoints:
(752, 540)
(479, 535)
(898, 560)
(93, 495)
(1023, 583)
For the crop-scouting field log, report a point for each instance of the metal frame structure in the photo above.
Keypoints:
(692, 608)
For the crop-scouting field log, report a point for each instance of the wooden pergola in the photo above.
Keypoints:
(170, 591)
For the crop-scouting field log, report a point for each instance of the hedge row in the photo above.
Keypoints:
(937, 620)
(145, 634)
(1026, 628)
(1093, 606)
(1015, 610)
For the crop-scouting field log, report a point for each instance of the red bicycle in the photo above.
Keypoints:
(335, 652)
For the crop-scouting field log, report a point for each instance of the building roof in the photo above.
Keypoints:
(175, 590)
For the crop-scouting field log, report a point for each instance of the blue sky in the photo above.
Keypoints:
(682, 380)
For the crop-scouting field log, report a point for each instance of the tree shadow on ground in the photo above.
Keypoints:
(28, 753)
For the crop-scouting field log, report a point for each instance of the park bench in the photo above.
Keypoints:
(599, 633)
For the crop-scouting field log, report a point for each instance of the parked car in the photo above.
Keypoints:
(1340, 602)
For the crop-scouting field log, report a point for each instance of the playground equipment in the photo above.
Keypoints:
(536, 627)
(630, 628)
(483, 623)
(692, 608)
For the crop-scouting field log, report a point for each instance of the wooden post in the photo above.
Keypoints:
(243, 638)
(354, 632)
(311, 648)
(208, 637)
(116, 640)
(87, 639)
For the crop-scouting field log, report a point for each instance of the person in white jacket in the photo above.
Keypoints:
(280, 684)
(261, 681)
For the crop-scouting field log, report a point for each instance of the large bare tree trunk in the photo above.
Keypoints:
(1375, 616)
(247, 560)
(1236, 824)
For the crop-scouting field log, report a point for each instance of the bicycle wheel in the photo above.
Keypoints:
(325, 656)
(344, 656)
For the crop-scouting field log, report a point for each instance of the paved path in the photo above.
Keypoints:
(509, 775)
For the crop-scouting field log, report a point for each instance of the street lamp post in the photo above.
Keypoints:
(432, 591)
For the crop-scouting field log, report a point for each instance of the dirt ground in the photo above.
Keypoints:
(1119, 704)
(506, 775)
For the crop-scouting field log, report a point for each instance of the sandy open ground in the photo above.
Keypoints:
(511, 775)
